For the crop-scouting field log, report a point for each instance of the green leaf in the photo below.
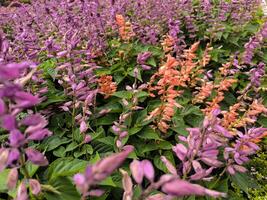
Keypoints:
(31, 168)
(65, 167)
(55, 141)
(60, 152)
(3, 179)
(243, 181)
(71, 147)
(100, 132)
(149, 134)
(65, 190)
(86, 149)
(106, 120)
(152, 146)
(107, 140)
(108, 182)
(123, 94)
(151, 61)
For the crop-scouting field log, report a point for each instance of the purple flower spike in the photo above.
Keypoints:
(36, 157)
(180, 188)
(106, 166)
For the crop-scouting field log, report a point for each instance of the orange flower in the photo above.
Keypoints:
(168, 44)
(120, 20)
(204, 92)
(224, 70)
(125, 28)
(106, 86)
(206, 57)
(230, 116)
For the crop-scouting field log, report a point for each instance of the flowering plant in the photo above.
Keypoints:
(132, 100)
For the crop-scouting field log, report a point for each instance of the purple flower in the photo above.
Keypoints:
(142, 57)
(39, 134)
(16, 138)
(180, 151)
(180, 188)
(257, 73)
(105, 167)
(36, 157)
(13, 156)
(9, 122)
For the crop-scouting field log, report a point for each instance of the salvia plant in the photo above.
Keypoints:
(133, 100)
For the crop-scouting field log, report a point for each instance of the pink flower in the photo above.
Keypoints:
(12, 178)
(35, 186)
(22, 192)
(137, 171)
(83, 127)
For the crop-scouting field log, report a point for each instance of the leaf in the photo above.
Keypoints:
(86, 149)
(106, 120)
(3, 179)
(60, 152)
(149, 133)
(107, 140)
(31, 168)
(65, 167)
(55, 141)
(243, 181)
(66, 190)
(108, 182)
(134, 130)
(151, 61)
(152, 146)
(100, 132)
(123, 94)
(71, 147)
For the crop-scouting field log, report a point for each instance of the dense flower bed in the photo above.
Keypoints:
(121, 99)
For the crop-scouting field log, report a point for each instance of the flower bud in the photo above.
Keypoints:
(137, 171)
(12, 178)
(35, 186)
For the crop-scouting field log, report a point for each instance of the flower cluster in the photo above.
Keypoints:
(17, 151)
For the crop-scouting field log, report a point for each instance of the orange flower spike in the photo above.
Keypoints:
(231, 115)
(224, 70)
(168, 44)
(225, 84)
(204, 92)
(106, 86)
(206, 57)
(125, 28)
(120, 20)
